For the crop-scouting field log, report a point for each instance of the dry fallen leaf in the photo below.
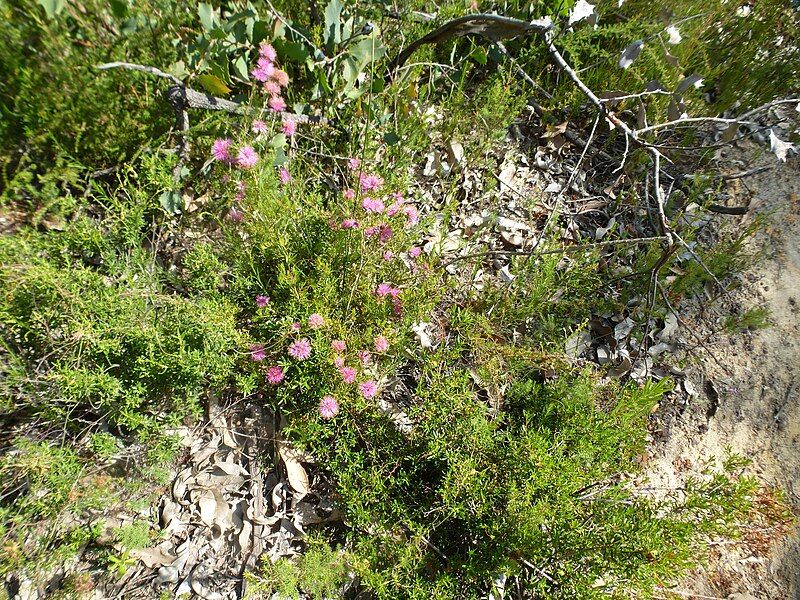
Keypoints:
(298, 478)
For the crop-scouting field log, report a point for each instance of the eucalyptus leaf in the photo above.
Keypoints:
(52, 7)
(207, 16)
(240, 67)
(333, 13)
(172, 202)
(687, 82)
(630, 54)
(214, 85)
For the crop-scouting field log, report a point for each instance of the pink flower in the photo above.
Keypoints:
(398, 197)
(381, 344)
(300, 349)
(221, 150)
(296, 326)
(372, 205)
(267, 51)
(384, 289)
(259, 127)
(397, 307)
(370, 231)
(338, 362)
(272, 88)
(394, 292)
(348, 374)
(263, 72)
(394, 208)
(415, 251)
(369, 183)
(262, 301)
(328, 407)
(235, 215)
(274, 375)
(280, 77)
(349, 194)
(412, 214)
(368, 389)
(388, 255)
(247, 157)
(338, 346)
(364, 356)
(277, 104)
(349, 224)
(257, 353)
(353, 163)
(284, 175)
(289, 127)
(385, 233)
(316, 321)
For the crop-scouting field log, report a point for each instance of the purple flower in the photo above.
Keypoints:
(221, 150)
(274, 375)
(289, 127)
(267, 51)
(368, 389)
(388, 255)
(277, 104)
(284, 175)
(370, 182)
(300, 349)
(316, 321)
(415, 251)
(349, 194)
(348, 374)
(412, 214)
(364, 356)
(338, 346)
(257, 352)
(281, 78)
(328, 407)
(263, 72)
(381, 344)
(296, 326)
(370, 231)
(262, 301)
(349, 224)
(385, 233)
(384, 289)
(247, 157)
(235, 215)
(272, 88)
(353, 163)
(260, 127)
(373, 205)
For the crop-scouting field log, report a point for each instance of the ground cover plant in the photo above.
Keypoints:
(308, 252)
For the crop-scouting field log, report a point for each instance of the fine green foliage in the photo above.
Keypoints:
(305, 270)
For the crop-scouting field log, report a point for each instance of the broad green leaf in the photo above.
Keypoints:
(214, 85)
(280, 157)
(240, 67)
(367, 51)
(172, 201)
(119, 8)
(279, 141)
(333, 13)
(52, 7)
(207, 16)
(294, 51)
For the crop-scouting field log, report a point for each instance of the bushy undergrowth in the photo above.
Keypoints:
(304, 272)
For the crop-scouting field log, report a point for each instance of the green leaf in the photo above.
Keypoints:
(52, 7)
(294, 51)
(280, 157)
(119, 8)
(279, 141)
(172, 202)
(240, 67)
(391, 138)
(207, 16)
(367, 51)
(214, 85)
(333, 13)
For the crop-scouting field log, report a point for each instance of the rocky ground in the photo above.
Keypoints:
(748, 395)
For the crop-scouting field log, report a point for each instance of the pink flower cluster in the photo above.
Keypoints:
(387, 289)
(275, 375)
(369, 182)
(373, 205)
(271, 76)
(328, 407)
(300, 349)
(222, 150)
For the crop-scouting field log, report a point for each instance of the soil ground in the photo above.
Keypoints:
(749, 396)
